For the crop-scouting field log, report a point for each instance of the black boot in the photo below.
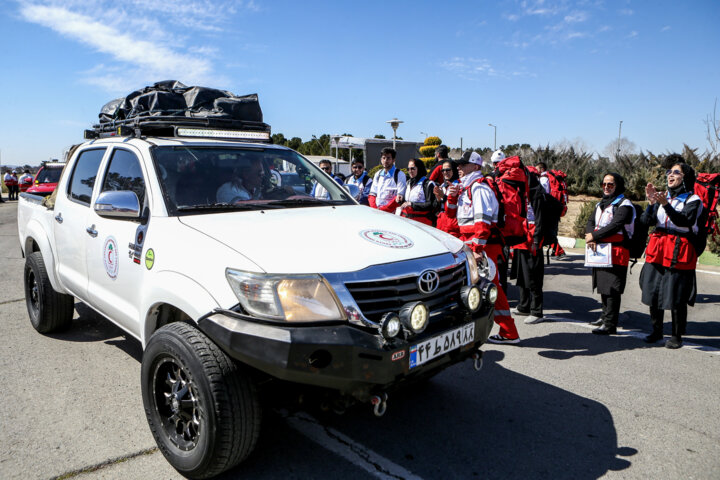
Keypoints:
(674, 342)
(653, 337)
(605, 330)
(656, 317)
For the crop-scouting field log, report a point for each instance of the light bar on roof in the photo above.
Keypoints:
(205, 132)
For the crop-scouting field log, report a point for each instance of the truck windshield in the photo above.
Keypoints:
(202, 179)
(48, 175)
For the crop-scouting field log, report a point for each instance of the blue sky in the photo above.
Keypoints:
(545, 72)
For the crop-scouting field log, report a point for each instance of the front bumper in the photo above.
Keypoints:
(351, 359)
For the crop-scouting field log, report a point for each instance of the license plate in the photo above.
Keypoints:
(441, 344)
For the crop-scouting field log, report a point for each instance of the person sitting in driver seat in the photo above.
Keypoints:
(246, 183)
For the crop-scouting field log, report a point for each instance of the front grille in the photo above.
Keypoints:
(375, 298)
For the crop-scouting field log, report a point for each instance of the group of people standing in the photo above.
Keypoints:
(13, 183)
(507, 217)
(667, 279)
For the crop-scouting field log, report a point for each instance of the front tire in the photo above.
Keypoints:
(49, 310)
(201, 408)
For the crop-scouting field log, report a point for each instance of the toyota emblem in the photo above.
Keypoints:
(428, 282)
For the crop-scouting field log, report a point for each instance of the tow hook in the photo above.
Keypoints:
(379, 403)
(477, 360)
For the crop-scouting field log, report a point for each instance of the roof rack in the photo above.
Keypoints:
(182, 126)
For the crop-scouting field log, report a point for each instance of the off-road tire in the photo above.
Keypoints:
(218, 402)
(49, 310)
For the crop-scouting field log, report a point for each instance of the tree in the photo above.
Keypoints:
(278, 139)
(379, 136)
(626, 147)
(294, 143)
(713, 131)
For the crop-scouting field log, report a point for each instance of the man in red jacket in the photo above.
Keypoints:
(477, 215)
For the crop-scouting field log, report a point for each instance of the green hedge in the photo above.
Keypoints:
(428, 151)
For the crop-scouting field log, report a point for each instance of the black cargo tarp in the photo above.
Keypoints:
(172, 101)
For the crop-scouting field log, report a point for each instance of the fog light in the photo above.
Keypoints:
(415, 316)
(390, 325)
(491, 293)
(471, 297)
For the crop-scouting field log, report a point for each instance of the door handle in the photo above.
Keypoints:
(59, 218)
(91, 231)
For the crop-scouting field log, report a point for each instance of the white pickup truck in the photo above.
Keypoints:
(212, 253)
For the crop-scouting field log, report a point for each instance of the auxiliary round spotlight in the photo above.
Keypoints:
(491, 293)
(415, 316)
(390, 325)
(471, 297)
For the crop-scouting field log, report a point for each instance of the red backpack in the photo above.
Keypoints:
(558, 188)
(707, 187)
(512, 181)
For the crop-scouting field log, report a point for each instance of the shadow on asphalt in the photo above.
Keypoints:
(563, 346)
(707, 298)
(493, 424)
(462, 424)
(90, 326)
(585, 308)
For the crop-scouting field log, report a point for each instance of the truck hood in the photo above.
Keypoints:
(322, 239)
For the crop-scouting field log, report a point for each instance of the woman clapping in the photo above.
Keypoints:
(667, 279)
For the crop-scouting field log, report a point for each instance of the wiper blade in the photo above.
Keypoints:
(224, 206)
(288, 202)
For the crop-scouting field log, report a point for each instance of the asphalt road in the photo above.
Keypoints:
(562, 404)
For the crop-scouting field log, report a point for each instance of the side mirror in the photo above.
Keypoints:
(353, 190)
(118, 204)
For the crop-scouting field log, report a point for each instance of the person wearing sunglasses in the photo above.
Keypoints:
(668, 278)
(318, 191)
(420, 203)
(360, 179)
(445, 222)
(613, 223)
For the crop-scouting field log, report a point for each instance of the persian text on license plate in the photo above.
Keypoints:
(440, 344)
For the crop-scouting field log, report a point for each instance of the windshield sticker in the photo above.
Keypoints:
(386, 239)
(110, 257)
(149, 259)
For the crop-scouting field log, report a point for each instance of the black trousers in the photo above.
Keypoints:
(611, 309)
(679, 320)
(530, 274)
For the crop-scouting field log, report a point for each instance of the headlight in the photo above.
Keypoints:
(293, 298)
(390, 325)
(471, 298)
(472, 265)
(491, 293)
(415, 316)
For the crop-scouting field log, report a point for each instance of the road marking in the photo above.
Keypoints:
(107, 463)
(635, 334)
(336, 442)
(12, 301)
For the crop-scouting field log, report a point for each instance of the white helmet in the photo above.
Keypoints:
(497, 156)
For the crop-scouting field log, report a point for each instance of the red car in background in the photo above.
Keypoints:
(47, 178)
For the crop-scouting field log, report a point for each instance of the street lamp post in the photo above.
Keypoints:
(322, 149)
(394, 123)
(337, 148)
(494, 141)
(617, 154)
(423, 133)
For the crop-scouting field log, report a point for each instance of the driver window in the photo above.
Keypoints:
(124, 173)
